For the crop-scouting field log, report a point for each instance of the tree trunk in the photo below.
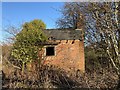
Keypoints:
(23, 67)
(118, 86)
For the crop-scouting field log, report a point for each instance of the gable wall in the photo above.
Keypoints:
(67, 55)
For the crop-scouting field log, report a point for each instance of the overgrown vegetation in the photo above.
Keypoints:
(95, 76)
(100, 22)
(101, 51)
(54, 77)
(25, 48)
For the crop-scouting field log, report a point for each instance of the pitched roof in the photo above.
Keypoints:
(63, 34)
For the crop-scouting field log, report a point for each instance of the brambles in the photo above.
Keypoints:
(54, 77)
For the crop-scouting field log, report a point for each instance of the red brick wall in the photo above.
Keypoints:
(68, 55)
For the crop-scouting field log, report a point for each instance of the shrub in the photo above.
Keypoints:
(24, 48)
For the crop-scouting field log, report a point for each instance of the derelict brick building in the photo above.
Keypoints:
(65, 49)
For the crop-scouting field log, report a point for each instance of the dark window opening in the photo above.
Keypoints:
(50, 51)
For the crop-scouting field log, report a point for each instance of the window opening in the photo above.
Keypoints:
(50, 51)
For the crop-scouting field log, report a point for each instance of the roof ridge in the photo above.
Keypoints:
(68, 29)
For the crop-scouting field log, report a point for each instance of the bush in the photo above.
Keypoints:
(25, 48)
(54, 77)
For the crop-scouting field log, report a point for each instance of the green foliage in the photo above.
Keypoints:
(25, 48)
(96, 58)
(91, 59)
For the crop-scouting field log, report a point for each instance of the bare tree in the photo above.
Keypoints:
(105, 31)
(102, 26)
(105, 16)
(71, 16)
(9, 32)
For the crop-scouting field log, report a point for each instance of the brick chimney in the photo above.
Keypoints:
(80, 25)
(80, 21)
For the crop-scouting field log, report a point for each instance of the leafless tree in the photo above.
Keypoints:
(105, 16)
(102, 26)
(71, 15)
(9, 32)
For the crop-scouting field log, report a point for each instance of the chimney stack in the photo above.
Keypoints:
(80, 25)
(80, 22)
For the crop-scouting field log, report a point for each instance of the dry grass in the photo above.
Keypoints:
(54, 77)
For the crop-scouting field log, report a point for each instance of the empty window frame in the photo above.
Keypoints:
(50, 51)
